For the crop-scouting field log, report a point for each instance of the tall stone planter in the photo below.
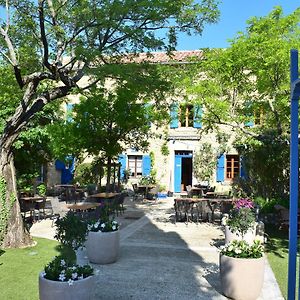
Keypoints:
(57, 290)
(249, 236)
(103, 247)
(241, 278)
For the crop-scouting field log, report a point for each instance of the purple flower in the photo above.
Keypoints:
(244, 203)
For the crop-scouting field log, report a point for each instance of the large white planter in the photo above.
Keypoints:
(103, 247)
(241, 278)
(57, 290)
(249, 236)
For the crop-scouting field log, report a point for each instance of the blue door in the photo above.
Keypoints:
(178, 170)
(177, 174)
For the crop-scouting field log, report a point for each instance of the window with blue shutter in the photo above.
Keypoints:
(221, 168)
(146, 165)
(197, 116)
(70, 107)
(174, 116)
(122, 161)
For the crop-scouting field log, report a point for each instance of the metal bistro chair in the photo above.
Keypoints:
(183, 208)
(119, 203)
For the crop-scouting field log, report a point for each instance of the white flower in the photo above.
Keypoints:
(70, 282)
(61, 277)
(74, 268)
(230, 248)
(102, 225)
(74, 275)
(63, 272)
(96, 224)
(115, 222)
(43, 274)
(238, 251)
(90, 227)
(80, 277)
(62, 262)
(114, 227)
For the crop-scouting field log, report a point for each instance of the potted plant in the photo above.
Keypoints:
(100, 237)
(103, 241)
(63, 280)
(241, 225)
(71, 230)
(242, 270)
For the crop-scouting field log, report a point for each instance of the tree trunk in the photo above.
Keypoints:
(108, 174)
(15, 234)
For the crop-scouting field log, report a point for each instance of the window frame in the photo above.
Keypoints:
(232, 166)
(135, 159)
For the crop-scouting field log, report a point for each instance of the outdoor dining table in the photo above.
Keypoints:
(144, 188)
(212, 203)
(82, 206)
(29, 203)
(104, 195)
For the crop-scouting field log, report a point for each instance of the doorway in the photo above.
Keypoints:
(182, 170)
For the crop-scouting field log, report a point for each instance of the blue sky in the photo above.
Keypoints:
(234, 14)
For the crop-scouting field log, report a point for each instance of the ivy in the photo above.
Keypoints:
(4, 208)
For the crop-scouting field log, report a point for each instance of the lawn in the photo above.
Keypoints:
(277, 252)
(19, 269)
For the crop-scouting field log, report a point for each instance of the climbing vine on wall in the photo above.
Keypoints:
(4, 208)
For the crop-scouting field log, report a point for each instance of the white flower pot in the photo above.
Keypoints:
(57, 290)
(103, 247)
(241, 278)
(249, 236)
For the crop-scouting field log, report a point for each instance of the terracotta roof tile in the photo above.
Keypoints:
(163, 57)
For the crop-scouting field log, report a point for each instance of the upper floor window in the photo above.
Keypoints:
(232, 166)
(186, 115)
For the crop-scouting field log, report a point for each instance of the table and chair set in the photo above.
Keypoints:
(197, 206)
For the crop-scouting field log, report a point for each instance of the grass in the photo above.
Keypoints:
(277, 252)
(19, 268)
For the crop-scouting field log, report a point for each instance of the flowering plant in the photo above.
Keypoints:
(61, 270)
(241, 249)
(241, 216)
(103, 226)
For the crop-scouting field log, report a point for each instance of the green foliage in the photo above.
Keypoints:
(83, 174)
(61, 269)
(165, 149)
(71, 230)
(41, 189)
(267, 205)
(241, 249)
(147, 180)
(204, 162)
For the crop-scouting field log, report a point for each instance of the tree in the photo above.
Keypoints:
(108, 121)
(52, 44)
(248, 84)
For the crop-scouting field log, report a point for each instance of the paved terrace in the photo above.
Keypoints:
(161, 260)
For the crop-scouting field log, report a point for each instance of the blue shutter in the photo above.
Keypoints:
(122, 161)
(243, 172)
(69, 112)
(197, 116)
(177, 174)
(59, 165)
(221, 168)
(146, 165)
(174, 116)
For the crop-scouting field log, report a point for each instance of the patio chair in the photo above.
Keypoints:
(137, 193)
(119, 203)
(40, 206)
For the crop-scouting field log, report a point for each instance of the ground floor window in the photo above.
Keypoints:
(232, 166)
(135, 163)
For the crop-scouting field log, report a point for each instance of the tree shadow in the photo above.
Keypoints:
(161, 260)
